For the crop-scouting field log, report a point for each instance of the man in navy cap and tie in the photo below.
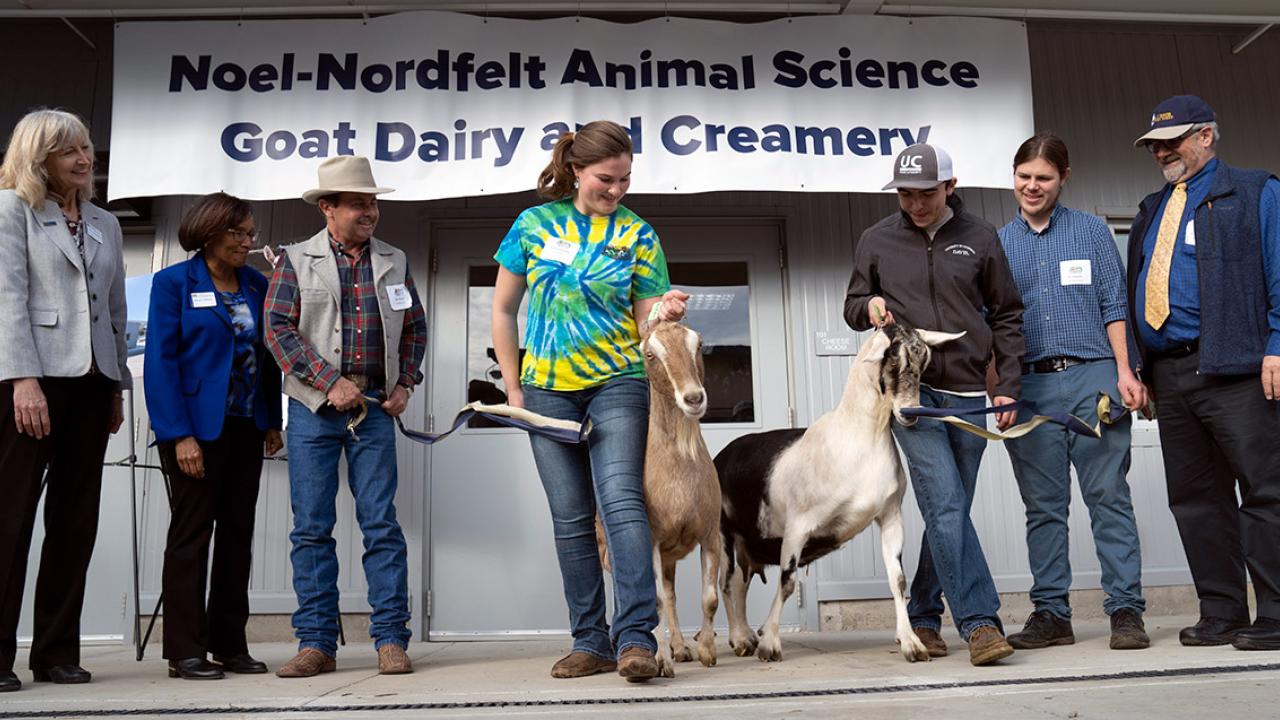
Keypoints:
(1204, 303)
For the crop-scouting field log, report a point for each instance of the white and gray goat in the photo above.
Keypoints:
(793, 496)
(681, 492)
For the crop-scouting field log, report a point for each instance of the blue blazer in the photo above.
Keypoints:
(189, 350)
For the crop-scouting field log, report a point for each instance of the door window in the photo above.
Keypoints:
(718, 308)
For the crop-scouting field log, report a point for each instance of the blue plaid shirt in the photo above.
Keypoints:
(1183, 324)
(1071, 281)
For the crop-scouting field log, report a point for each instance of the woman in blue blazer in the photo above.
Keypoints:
(213, 392)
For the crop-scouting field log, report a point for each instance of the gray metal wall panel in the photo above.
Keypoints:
(1095, 85)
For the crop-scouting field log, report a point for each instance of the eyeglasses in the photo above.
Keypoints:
(1171, 145)
(239, 234)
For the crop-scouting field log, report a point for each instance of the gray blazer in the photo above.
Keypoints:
(56, 317)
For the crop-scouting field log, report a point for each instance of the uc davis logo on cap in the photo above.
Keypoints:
(910, 164)
(1161, 117)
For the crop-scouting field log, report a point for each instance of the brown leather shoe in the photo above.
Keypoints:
(987, 645)
(932, 640)
(393, 660)
(637, 664)
(581, 664)
(309, 662)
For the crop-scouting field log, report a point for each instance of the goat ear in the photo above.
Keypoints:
(875, 348)
(933, 338)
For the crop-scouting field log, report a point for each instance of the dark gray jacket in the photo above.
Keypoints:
(960, 280)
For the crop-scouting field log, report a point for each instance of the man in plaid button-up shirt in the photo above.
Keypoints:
(345, 323)
(362, 341)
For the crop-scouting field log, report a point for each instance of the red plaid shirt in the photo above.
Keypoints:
(362, 348)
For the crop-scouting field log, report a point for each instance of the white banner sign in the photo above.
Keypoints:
(451, 105)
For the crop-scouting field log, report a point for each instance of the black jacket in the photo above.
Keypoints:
(958, 281)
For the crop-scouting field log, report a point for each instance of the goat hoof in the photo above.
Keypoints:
(707, 657)
(769, 653)
(665, 668)
(744, 646)
(683, 654)
(913, 650)
(913, 654)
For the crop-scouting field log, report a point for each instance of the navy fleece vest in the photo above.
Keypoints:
(1233, 289)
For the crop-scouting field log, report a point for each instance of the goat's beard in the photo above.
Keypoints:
(906, 395)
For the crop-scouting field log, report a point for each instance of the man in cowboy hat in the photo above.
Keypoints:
(346, 326)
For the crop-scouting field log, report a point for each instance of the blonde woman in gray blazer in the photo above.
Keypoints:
(62, 371)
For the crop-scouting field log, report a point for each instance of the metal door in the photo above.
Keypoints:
(493, 570)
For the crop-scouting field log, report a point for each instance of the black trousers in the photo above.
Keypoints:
(224, 499)
(80, 416)
(1217, 432)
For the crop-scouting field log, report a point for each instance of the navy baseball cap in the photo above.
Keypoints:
(1175, 116)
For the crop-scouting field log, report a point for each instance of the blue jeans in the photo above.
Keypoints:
(606, 472)
(943, 461)
(316, 440)
(1042, 461)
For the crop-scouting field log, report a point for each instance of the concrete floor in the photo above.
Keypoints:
(823, 675)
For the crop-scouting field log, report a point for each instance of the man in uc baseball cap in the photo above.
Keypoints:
(1175, 117)
(933, 265)
(920, 167)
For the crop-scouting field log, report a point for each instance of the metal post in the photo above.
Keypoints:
(133, 518)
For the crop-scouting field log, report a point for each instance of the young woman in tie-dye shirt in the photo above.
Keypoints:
(595, 272)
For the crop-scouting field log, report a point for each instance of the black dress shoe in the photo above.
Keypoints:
(9, 681)
(1211, 631)
(1264, 634)
(242, 664)
(62, 675)
(196, 668)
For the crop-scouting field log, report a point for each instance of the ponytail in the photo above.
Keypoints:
(557, 178)
(595, 142)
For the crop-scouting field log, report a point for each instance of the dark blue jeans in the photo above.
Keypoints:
(1042, 461)
(316, 441)
(606, 473)
(943, 461)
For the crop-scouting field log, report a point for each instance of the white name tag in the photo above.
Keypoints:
(203, 299)
(399, 296)
(558, 250)
(1190, 236)
(1076, 272)
(93, 232)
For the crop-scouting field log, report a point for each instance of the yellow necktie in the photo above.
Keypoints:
(1158, 274)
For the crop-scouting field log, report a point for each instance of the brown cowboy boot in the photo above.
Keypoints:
(393, 660)
(637, 664)
(309, 662)
(581, 664)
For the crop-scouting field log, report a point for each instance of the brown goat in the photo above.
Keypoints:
(681, 489)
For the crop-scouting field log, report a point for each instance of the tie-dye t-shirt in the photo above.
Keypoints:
(583, 274)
